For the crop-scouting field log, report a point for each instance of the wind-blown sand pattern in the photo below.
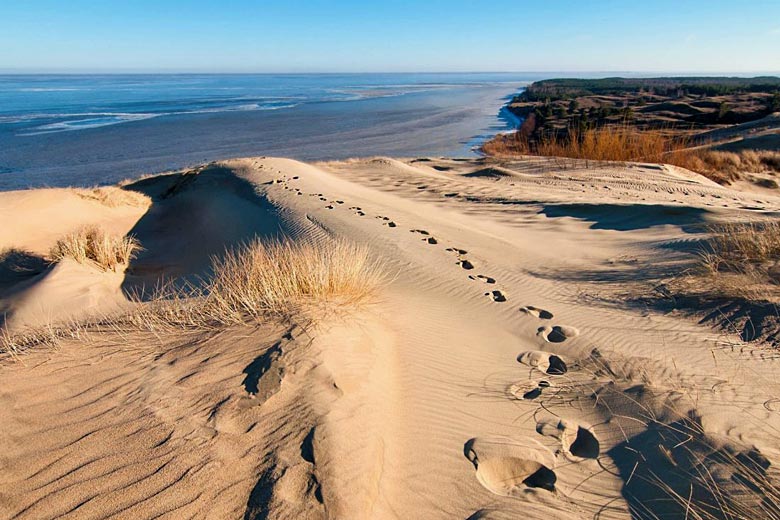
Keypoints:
(487, 380)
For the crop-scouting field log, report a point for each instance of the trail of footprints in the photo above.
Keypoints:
(510, 466)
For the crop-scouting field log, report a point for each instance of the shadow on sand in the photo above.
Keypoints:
(631, 217)
(194, 216)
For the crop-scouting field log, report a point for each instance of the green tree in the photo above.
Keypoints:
(573, 106)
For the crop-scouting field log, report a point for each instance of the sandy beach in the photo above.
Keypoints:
(511, 361)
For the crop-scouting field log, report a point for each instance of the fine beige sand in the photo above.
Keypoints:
(505, 369)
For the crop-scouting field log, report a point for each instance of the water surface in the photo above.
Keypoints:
(90, 129)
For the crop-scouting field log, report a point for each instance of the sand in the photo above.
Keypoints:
(492, 378)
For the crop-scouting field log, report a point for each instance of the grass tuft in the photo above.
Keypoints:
(281, 277)
(93, 246)
(743, 260)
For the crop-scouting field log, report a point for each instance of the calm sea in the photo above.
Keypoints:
(92, 129)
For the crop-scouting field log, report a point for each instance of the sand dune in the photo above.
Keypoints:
(489, 379)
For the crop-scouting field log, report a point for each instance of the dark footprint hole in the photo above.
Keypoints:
(450, 195)
(542, 478)
(533, 394)
(557, 366)
(391, 224)
(465, 264)
(545, 315)
(557, 335)
(497, 296)
(586, 445)
(307, 447)
(456, 250)
(431, 240)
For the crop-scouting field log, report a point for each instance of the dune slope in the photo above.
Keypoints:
(488, 380)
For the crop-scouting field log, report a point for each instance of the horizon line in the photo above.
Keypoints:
(65, 72)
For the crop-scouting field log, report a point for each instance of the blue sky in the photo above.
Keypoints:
(400, 35)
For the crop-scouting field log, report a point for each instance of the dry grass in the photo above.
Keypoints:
(93, 246)
(743, 260)
(251, 282)
(623, 143)
(113, 196)
(609, 143)
(724, 167)
(280, 277)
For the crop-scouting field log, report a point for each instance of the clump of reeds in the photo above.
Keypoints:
(93, 246)
(608, 143)
(624, 143)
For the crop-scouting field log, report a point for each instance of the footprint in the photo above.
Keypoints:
(558, 333)
(576, 439)
(360, 214)
(465, 264)
(339, 202)
(421, 231)
(431, 240)
(497, 296)
(323, 199)
(450, 195)
(537, 312)
(544, 362)
(265, 373)
(528, 390)
(456, 250)
(482, 277)
(329, 206)
(508, 467)
(390, 224)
